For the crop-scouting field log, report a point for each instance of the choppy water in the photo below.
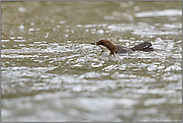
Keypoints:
(51, 72)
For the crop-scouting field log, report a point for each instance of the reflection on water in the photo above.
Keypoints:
(50, 72)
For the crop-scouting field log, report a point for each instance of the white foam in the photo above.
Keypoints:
(167, 12)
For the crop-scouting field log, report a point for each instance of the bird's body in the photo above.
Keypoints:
(107, 46)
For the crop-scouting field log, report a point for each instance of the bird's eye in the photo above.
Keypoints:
(102, 43)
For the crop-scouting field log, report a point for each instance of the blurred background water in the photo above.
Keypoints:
(51, 72)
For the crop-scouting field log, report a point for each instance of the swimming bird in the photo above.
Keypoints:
(108, 46)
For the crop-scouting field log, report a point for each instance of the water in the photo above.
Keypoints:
(51, 72)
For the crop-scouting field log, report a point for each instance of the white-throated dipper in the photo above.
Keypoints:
(107, 46)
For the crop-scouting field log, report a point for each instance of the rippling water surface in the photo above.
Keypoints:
(51, 72)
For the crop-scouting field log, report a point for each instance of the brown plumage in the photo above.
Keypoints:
(117, 49)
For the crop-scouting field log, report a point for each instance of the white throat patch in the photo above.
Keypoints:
(104, 49)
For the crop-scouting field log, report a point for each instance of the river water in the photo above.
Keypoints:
(51, 72)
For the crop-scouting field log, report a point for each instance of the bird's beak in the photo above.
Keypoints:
(95, 43)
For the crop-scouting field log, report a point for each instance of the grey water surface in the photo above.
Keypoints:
(51, 72)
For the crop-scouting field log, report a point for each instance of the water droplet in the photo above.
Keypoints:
(31, 29)
(21, 9)
(101, 31)
(21, 27)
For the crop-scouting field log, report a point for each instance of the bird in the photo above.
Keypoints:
(108, 46)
